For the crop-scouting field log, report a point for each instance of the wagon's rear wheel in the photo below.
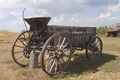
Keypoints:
(94, 50)
(21, 49)
(56, 53)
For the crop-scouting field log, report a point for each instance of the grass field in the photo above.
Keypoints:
(79, 68)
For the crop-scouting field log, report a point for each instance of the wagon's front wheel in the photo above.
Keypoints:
(94, 50)
(56, 53)
(21, 50)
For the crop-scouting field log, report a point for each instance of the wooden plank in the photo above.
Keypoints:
(56, 28)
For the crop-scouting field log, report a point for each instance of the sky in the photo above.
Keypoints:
(62, 12)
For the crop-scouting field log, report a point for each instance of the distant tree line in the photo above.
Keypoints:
(101, 30)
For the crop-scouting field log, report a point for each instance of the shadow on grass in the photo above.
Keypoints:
(81, 65)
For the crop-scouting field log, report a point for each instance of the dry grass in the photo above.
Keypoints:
(79, 68)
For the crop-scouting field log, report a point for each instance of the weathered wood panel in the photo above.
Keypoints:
(79, 34)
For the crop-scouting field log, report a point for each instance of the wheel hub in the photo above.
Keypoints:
(59, 53)
(26, 52)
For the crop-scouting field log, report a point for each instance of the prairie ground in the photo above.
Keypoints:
(79, 68)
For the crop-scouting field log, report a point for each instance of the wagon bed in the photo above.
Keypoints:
(80, 35)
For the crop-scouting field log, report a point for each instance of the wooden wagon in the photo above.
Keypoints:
(55, 44)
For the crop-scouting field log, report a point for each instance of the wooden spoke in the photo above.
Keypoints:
(19, 46)
(18, 52)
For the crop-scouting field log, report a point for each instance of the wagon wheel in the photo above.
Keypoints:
(56, 53)
(94, 50)
(21, 49)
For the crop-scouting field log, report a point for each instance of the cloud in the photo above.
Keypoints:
(115, 18)
(9, 3)
(1, 15)
(59, 19)
(14, 13)
(56, 7)
(114, 8)
(74, 20)
(99, 3)
(83, 22)
(104, 15)
(42, 1)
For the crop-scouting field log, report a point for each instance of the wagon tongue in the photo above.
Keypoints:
(38, 21)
